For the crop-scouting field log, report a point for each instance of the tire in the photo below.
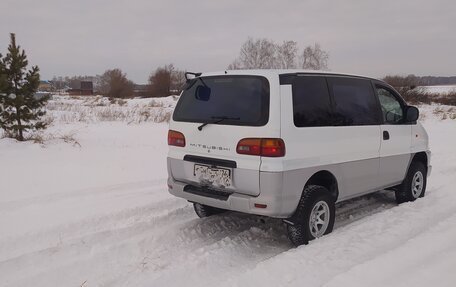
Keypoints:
(414, 184)
(315, 199)
(205, 211)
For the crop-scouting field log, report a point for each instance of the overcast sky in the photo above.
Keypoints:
(372, 38)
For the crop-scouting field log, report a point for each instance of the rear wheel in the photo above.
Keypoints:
(314, 216)
(414, 185)
(205, 211)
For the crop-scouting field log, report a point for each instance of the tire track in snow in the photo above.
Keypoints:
(410, 259)
(165, 241)
(255, 244)
(82, 223)
(8, 206)
(349, 246)
(74, 253)
(75, 231)
(355, 209)
(139, 240)
(178, 247)
(210, 227)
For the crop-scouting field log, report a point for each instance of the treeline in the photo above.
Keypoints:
(433, 81)
(412, 80)
(167, 80)
(114, 83)
(407, 87)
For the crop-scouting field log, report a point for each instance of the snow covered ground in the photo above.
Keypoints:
(90, 207)
(93, 109)
(442, 90)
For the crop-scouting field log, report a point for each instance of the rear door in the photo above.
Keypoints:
(396, 137)
(214, 113)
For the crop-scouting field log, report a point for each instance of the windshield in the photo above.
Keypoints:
(240, 100)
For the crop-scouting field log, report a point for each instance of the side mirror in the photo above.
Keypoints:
(203, 93)
(411, 114)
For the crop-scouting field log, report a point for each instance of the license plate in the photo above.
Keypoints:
(218, 177)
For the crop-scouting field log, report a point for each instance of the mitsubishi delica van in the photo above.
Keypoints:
(290, 144)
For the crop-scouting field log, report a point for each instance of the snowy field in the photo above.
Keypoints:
(441, 90)
(89, 207)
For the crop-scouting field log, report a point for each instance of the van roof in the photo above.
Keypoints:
(276, 72)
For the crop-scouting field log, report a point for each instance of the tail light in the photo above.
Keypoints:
(268, 147)
(176, 138)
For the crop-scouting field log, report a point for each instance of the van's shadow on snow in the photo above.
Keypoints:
(262, 231)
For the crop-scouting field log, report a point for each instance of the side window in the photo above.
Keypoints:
(311, 104)
(391, 107)
(354, 101)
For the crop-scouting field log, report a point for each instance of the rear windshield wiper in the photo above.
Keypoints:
(218, 120)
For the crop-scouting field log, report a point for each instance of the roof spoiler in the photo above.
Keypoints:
(188, 75)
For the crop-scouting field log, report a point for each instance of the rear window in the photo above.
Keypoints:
(242, 100)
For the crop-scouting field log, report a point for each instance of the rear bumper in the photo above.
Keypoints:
(271, 195)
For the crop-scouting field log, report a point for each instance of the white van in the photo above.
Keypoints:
(290, 144)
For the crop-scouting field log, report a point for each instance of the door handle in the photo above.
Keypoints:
(386, 135)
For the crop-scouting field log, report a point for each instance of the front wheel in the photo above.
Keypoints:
(314, 216)
(414, 184)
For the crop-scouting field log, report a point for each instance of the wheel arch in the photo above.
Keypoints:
(326, 179)
(420, 157)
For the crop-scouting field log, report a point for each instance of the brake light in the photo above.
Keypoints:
(176, 138)
(249, 146)
(269, 147)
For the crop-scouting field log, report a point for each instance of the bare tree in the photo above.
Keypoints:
(160, 81)
(235, 65)
(266, 54)
(178, 81)
(114, 83)
(315, 58)
(166, 80)
(286, 55)
(256, 54)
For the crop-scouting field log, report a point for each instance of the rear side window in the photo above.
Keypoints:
(311, 104)
(241, 100)
(354, 102)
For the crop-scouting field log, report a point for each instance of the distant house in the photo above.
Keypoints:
(141, 91)
(81, 88)
(45, 86)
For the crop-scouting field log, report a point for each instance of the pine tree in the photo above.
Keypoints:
(20, 110)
